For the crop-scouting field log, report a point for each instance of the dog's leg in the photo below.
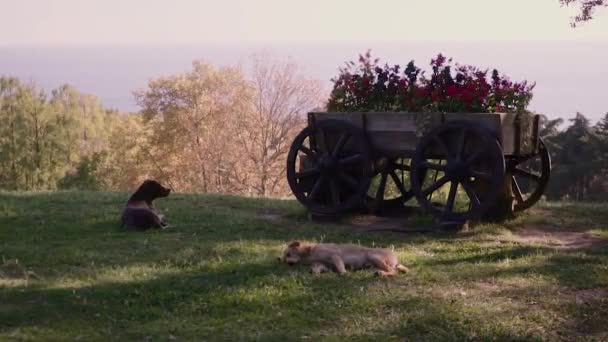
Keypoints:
(402, 268)
(163, 221)
(318, 268)
(382, 268)
(157, 220)
(338, 264)
(385, 273)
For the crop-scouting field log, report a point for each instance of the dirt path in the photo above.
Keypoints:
(562, 239)
(405, 221)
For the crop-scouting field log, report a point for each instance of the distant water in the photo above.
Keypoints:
(571, 76)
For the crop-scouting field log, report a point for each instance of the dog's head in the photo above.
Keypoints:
(150, 190)
(294, 253)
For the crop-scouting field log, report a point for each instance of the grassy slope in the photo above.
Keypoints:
(67, 272)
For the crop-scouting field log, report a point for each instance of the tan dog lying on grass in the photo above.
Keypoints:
(325, 256)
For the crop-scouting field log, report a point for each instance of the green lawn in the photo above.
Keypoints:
(67, 272)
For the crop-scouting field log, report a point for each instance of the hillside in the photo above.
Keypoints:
(67, 272)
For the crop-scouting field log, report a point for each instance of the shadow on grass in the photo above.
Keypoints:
(234, 301)
(499, 254)
(572, 269)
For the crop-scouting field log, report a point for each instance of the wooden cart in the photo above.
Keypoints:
(456, 165)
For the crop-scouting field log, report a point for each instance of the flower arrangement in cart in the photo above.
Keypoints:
(450, 88)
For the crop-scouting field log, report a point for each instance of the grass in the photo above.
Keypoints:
(68, 273)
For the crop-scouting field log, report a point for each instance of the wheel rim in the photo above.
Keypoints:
(529, 177)
(328, 167)
(472, 168)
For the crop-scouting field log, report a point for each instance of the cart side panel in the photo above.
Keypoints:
(490, 121)
(352, 118)
(528, 134)
(392, 134)
(398, 134)
(356, 119)
(518, 133)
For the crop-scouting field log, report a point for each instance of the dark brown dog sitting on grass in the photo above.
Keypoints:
(139, 213)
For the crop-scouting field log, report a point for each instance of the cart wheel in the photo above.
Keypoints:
(329, 167)
(468, 158)
(392, 189)
(529, 177)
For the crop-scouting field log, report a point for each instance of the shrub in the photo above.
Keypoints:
(450, 88)
(84, 176)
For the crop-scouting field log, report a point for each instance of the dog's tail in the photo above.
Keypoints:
(402, 268)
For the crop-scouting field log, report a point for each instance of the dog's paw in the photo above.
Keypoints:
(402, 269)
(382, 274)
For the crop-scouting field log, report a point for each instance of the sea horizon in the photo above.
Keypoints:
(570, 75)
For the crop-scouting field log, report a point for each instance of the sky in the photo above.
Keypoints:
(112, 47)
(128, 22)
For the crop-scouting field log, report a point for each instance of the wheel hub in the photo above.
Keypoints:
(328, 164)
(458, 171)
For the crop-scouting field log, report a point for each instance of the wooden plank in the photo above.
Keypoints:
(398, 133)
(494, 122)
(353, 118)
(393, 133)
(394, 143)
(508, 128)
(517, 140)
(528, 136)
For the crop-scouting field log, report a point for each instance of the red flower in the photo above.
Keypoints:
(452, 90)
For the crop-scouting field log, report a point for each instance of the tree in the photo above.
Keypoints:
(191, 118)
(124, 164)
(282, 97)
(587, 9)
(576, 159)
(214, 130)
(602, 126)
(44, 138)
(12, 141)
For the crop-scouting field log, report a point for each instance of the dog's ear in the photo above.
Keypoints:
(294, 244)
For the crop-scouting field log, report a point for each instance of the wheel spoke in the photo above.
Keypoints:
(438, 184)
(399, 184)
(335, 192)
(340, 144)
(474, 200)
(307, 173)
(523, 173)
(308, 152)
(434, 166)
(402, 167)
(348, 179)
(516, 190)
(380, 191)
(449, 205)
(351, 159)
(315, 189)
